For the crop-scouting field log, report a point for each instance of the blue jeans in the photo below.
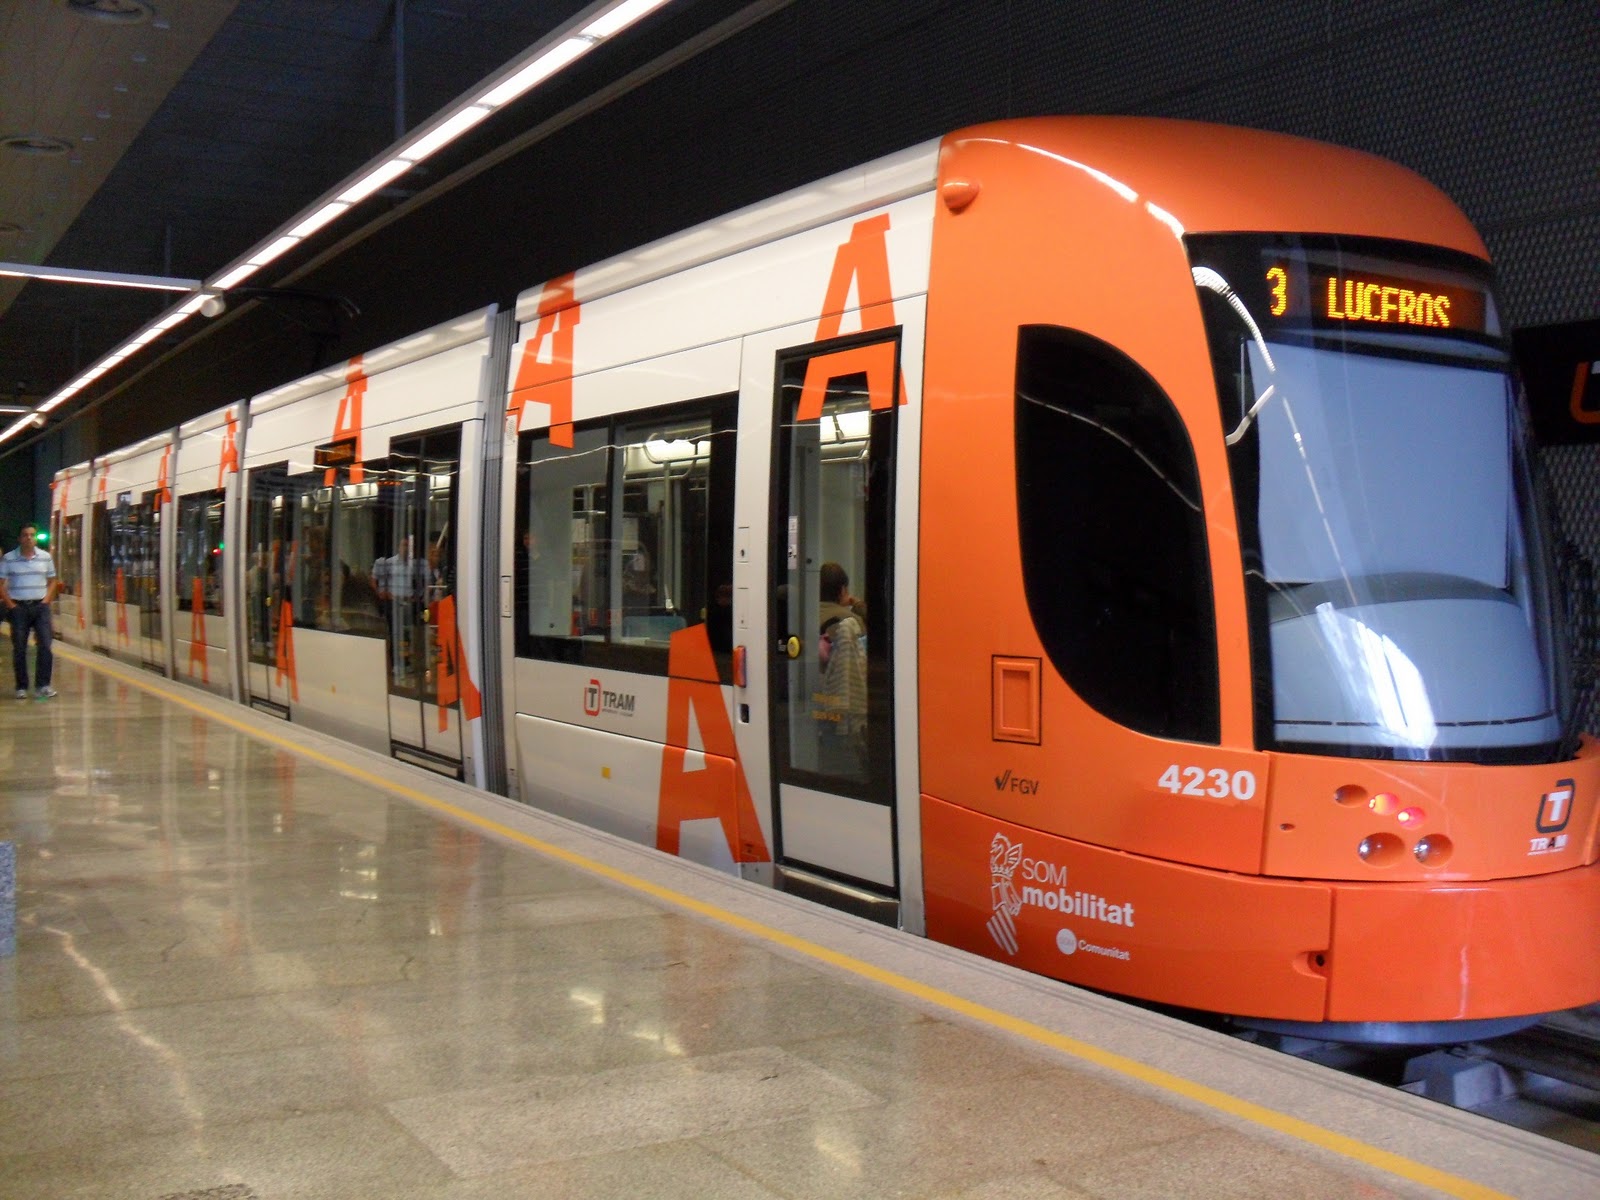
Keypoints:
(34, 616)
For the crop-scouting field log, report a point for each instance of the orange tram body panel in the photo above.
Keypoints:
(1139, 771)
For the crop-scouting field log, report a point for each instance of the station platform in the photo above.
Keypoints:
(255, 963)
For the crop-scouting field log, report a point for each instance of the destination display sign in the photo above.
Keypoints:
(1298, 291)
(335, 454)
(1327, 296)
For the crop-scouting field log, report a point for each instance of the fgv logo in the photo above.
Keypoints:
(597, 700)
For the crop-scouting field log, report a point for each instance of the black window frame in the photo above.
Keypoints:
(1111, 522)
(722, 413)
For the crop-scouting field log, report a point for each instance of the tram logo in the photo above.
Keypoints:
(597, 700)
(1555, 808)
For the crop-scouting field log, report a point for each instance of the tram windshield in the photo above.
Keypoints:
(1397, 564)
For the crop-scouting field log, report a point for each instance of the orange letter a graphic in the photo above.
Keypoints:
(864, 258)
(549, 382)
(718, 789)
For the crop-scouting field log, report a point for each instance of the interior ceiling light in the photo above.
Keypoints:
(113, 12)
(563, 45)
(34, 143)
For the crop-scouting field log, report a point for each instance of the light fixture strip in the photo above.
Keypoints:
(618, 18)
(275, 250)
(156, 283)
(547, 64)
(443, 134)
(563, 47)
(323, 215)
(375, 179)
(238, 275)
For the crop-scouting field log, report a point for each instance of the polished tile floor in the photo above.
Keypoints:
(240, 974)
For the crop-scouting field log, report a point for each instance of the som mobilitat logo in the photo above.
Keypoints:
(1044, 886)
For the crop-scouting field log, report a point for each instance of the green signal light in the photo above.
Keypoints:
(41, 538)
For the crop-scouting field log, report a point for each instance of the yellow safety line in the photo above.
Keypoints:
(1349, 1147)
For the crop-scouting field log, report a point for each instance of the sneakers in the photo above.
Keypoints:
(22, 693)
(45, 693)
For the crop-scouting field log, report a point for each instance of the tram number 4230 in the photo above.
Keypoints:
(1215, 783)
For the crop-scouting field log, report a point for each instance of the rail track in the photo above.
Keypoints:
(1545, 1079)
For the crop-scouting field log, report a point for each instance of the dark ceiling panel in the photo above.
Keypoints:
(1493, 99)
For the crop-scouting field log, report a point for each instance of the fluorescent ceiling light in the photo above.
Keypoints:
(262, 257)
(319, 218)
(237, 275)
(620, 17)
(375, 179)
(157, 283)
(445, 133)
(536, 72)
(546, 63)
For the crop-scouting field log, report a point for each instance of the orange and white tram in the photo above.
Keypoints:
(1106, 545)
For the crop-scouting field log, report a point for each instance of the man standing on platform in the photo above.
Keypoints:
(27, 585)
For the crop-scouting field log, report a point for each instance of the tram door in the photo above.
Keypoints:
(100, 578)
(143, 581)
(832, 705)
(271, 552)
(416, 584)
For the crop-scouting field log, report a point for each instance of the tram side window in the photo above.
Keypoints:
(626, 538)
(353, 544)
(315, 546)
(200, 551)
(1113, 536)
(336, 541)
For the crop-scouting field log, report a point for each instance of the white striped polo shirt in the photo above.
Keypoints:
(27, 578)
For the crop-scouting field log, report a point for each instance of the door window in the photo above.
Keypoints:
(100, 569)
(415, 530)
(200, 551)
(832, 566)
